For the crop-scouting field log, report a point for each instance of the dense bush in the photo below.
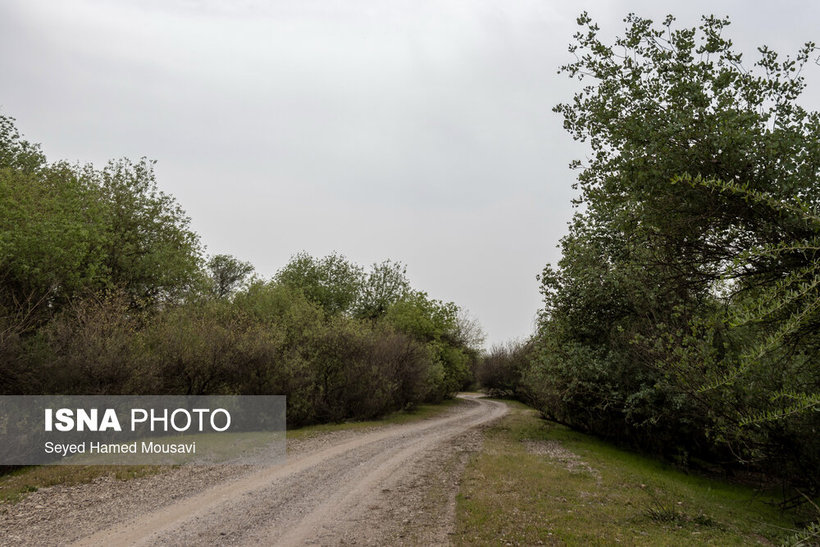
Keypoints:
(269, 340)
(500, 371)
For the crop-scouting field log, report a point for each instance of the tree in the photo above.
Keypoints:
(52, 237)
(670, 102)
(786, 305)
(150, 249)
(15, 152)
(227, 274)
(332, 282)
(69, 230)
(385, 284)
(637, 316)
(435, 324)
(499, 370)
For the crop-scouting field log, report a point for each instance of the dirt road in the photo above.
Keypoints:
(389, 485)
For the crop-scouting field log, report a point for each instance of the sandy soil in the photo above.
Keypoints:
(390, 485)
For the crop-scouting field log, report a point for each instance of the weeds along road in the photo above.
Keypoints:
(393, 484)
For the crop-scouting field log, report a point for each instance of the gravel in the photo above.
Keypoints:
(392, 485)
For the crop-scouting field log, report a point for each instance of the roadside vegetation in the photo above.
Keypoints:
(536, 482)
(104, 289)
(683, 318)
(15, 484)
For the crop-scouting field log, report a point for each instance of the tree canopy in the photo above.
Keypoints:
(696, 238)
(227, 274)
(69, 230)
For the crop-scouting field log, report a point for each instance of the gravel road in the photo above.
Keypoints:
(386, 485)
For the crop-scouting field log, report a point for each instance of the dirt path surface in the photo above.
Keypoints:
(387, 485)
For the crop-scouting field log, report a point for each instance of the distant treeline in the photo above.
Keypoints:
(684, 315)
(104, 289)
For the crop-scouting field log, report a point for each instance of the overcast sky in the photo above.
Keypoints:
(415, 130)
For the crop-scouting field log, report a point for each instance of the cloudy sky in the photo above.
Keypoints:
(417, 130)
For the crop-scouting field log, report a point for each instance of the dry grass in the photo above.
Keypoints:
(15, 485)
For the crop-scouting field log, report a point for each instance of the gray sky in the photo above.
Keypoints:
(414, 130)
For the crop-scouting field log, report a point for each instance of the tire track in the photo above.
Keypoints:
(315, 497)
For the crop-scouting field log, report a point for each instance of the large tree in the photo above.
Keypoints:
(385, 284)
(689, 150)
(69, 230)
(332, 282)
(227, 274)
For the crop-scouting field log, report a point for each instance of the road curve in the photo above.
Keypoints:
(324, 497)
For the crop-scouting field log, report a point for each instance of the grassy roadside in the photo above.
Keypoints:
(15, 485)
(539, 483)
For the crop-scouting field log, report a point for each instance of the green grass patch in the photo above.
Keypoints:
(16, 484)
(539, 483)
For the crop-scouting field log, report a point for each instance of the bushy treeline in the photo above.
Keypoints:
(684, 315)
(501, 370)
(104, 290)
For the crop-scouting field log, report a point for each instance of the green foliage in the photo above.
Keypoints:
(103, 291)
(422, 317)
(787, 292)
(52, 240)
(436, 324)
(150, 250)
(227, 274)
(331, 282)
(15, 152)
(683, 315)
(806, 537)
(67, 231)
(385, 285)
(269, 339)
(500, 371)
